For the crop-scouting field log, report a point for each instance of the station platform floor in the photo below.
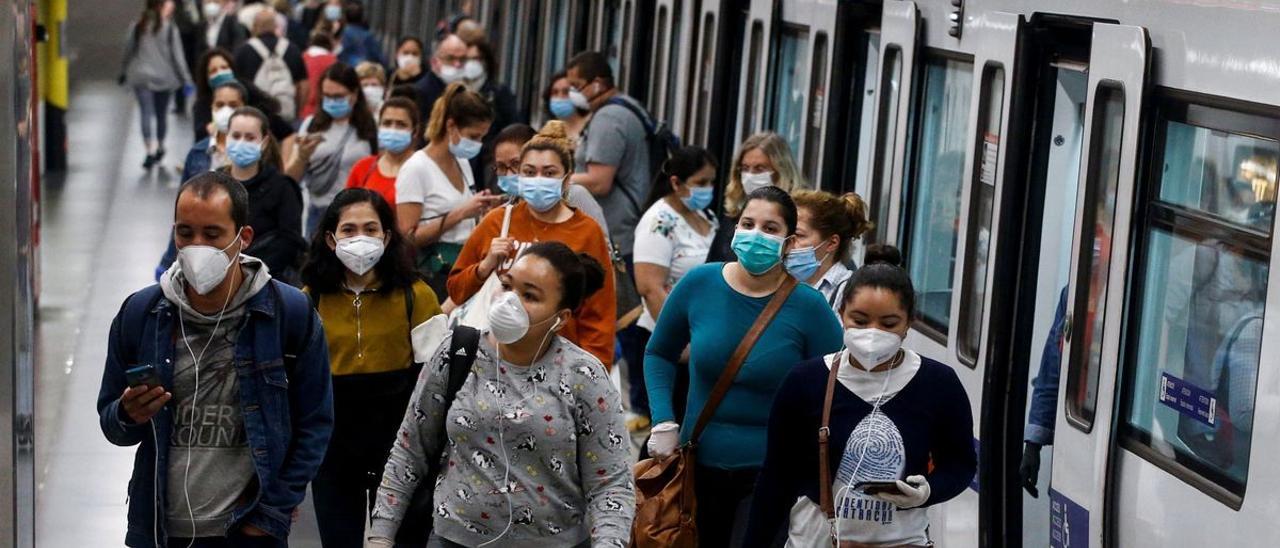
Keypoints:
(104, 225)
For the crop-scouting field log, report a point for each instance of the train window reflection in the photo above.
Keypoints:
(790, 87)
(817, 99)
(707, 69)
(660, 61)
(753, 70)
(1190, 385)
(981, 203)
(937, 164)
(886, 139)
(1095, 256)
(674, 65)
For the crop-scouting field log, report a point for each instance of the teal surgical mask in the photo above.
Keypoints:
(757, 252)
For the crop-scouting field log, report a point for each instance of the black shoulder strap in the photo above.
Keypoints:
(650, 127)
(134, 318)
(408, 304)
(462, 354)
(297, 321)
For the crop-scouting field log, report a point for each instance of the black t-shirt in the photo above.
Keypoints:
(248, 62)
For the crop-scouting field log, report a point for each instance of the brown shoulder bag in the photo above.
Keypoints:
(666, 507)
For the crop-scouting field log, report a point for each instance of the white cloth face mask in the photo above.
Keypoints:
(752, 182)
(204, 266)
(870, 346)
(359, 253)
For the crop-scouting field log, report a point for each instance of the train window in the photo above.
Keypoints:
(792, 84)
(753, 66)
(1102, 182)
(940, 139)
(863, 104)
(817, 97)
(673, 63)
(708, 69)
(660, 43)
(1190, 383)
(973, 300)
(624, 74)
(886, 137)
(612, 40)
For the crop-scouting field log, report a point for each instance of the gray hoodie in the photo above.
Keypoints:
(210, 467)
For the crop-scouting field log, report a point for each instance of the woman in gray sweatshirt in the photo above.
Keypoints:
(534, 450)
(154, 68)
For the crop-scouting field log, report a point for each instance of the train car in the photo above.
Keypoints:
(19, 167)
(1120, 157)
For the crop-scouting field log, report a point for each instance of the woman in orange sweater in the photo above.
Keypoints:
(542, 215)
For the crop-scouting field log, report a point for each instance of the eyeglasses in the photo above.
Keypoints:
(505, 169)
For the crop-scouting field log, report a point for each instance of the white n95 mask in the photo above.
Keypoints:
(871, 346)
(508, 320)
(359, 253)
(204, 266)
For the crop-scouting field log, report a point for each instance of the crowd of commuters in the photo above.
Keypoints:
(345, 212)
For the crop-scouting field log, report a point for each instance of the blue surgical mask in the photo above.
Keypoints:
(336, 107)
(394, 140)
(802, 263)
(699, 198)
(221, 77)
(332, 12)
(562, 107)
(541, 193)
(465, 149)
(243, 153)
(509, 184)
(757, 252)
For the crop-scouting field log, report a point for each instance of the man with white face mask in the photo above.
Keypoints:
(222, 375)
(447, 66)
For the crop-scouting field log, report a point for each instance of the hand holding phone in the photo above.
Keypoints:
(877, 487)
(145, 396)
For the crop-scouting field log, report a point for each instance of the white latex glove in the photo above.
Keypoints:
(664, 438)
(378, 542)
(915, 491)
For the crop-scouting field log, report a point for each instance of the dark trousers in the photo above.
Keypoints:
(153, 108)
(347, 482)
(724, 503)
(234, 541)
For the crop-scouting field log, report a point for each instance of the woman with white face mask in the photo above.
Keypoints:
(763, 160)
(534, 437)
(408, 62)
(369, 298)
(436, 202)
(898, 429)
(710, 311)
(542, 215)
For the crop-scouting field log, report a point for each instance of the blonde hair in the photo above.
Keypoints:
(369, 69)
(786, 175)
(463, 106)
(553, 136)
(844, 216)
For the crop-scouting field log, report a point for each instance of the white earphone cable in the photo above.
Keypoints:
(875, 408)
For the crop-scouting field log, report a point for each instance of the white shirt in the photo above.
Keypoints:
(215, 27)
(665, 238)
(421, 181)
(832, 285)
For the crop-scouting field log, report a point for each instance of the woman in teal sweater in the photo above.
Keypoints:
(710, 310)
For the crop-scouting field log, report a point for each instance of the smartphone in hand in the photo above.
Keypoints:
(877, 487)
(142, 375)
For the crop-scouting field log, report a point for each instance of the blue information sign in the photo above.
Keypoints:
(1068, 522)
(1188, 399)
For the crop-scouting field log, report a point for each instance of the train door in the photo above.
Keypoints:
(899, 31)
(517, 48)
(669, 74)
(1188, 441)
(1118, 64)
(755, 68)
(799, 72)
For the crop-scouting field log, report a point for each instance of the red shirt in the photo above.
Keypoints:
(316, 65)
(365, 174)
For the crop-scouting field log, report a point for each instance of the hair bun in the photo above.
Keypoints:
(554, 132)
(882, 254)
(593, 280)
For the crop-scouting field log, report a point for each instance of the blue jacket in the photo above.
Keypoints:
(285, 396)
(1044, 390)
(359, 44)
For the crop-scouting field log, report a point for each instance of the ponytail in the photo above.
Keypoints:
(457, 103)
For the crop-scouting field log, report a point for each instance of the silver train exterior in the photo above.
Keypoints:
(19, 179)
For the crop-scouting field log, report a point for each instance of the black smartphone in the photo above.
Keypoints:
(142, 374)
(877, 487)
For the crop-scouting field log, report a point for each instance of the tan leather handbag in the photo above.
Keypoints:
(666, 508)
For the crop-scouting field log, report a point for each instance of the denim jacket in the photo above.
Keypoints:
(282, 363)
(1044, 393)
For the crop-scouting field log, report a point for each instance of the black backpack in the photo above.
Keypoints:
(419, 517)
(659, 138)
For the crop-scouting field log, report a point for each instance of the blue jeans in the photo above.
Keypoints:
(153, 105)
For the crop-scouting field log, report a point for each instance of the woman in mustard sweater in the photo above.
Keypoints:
(369, 297)
(543, 216)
